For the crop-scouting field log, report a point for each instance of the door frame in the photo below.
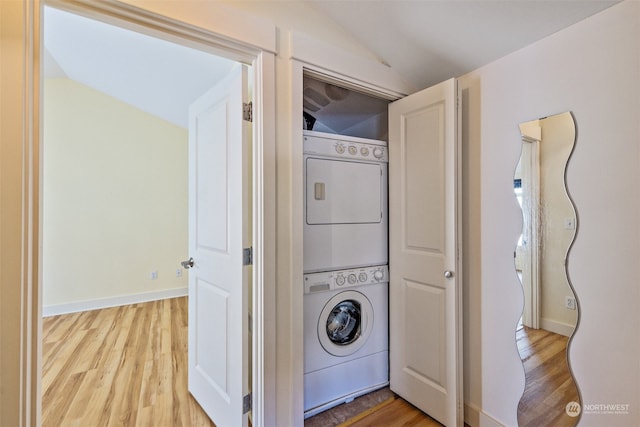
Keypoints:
(28, 381)
(303, 65)
(375, 82)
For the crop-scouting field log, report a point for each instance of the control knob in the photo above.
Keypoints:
(362, 277)
(340, 280)
(352, 279)
(364, 151)
(378, 152)
(378, 275)
(339, 148)
(353, 150)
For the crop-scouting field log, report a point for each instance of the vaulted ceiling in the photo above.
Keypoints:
(156, 76)
(426, 41)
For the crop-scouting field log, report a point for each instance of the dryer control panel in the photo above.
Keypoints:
(332, 280)
(325, 144)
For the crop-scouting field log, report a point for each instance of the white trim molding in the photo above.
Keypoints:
(557, 327)
(475, 417)
(95, 304)
(227, 31)
(20, 323)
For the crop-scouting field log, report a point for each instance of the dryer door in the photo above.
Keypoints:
(343, 192)
(345, 323)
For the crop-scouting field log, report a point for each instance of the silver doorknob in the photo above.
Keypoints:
(188, 263)
(448, 274)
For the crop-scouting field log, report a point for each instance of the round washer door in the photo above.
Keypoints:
(345, 323)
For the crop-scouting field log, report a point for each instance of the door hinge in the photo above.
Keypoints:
(246, 403)
(247, 111)
(247, 256)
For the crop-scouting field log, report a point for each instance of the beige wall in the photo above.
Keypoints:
(558, 135)
(591, 69)
(114, 198)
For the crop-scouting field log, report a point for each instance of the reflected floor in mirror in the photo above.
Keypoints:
(549, 385)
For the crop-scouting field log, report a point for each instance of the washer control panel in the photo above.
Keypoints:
(332, 280)
(345, 147)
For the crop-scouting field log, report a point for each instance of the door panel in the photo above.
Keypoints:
(424, 167)
(424, 314)
(211, 166)
(218, 229)
(424, 357)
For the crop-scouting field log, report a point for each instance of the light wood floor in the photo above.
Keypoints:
(393, 412)
(549, 385)
(124, 366)
(127, 366)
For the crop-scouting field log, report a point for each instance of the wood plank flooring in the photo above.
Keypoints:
(376, 409)
(395, 412)
(127, 366)
(121, 366)
(549, 386)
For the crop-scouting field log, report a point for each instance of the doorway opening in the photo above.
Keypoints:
(114, 164)
(423, 182)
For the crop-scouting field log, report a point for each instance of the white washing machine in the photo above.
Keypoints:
(345, 209)
(346, 335)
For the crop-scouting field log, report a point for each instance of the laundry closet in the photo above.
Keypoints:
(345, 244)
(381, 278)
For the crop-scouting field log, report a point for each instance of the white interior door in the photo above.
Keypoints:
(218, 232)
(425, 337)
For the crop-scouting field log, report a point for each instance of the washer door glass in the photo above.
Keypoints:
(343, 323)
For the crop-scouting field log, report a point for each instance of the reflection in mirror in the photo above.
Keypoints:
(550, 312)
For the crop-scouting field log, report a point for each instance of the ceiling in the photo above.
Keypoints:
(425, 41)
(429, 41)
(156, 76)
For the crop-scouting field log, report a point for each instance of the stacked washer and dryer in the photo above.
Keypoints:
(346, 345)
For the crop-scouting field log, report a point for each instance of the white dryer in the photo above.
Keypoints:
(346, 342)
(345, 209)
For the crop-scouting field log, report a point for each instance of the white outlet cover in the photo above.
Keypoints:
(569, 223)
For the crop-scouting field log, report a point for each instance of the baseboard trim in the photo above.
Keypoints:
(471, 415)
(556, 327)
(474, 417)
(74, 307)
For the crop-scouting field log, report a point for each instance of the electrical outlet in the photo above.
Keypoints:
(569, 223)
(178, 272)
(570, 302)
(153, 275)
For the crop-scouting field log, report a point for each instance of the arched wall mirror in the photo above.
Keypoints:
(550, 310)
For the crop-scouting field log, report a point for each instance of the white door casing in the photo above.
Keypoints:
(425, 305)
(530, 164)
(219, 229)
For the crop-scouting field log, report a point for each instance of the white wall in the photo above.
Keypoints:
(114, 201)
(593, 70)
